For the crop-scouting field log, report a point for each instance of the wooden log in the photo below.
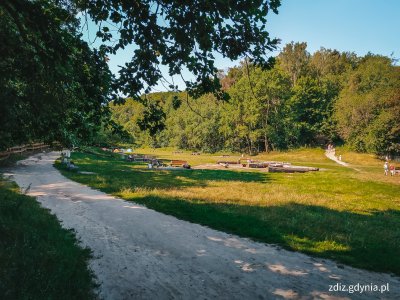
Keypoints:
(274, 169)
(227, 162)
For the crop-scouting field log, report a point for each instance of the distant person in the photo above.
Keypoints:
(386, 168)
(392, 170)
(66, 153)
(340, 157)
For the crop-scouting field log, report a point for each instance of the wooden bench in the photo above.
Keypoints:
(178, 163)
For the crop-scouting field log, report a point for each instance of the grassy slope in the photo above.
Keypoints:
(38, 259)
(352, 216)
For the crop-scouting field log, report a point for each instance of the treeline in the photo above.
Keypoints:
(304, 100)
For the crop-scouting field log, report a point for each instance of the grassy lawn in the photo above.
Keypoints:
(38, 259)
(351, 215)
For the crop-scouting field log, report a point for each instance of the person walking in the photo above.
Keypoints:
(386, 168)
(392, 170)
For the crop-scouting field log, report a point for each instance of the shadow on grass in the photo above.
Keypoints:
(120, 174)
(190, 178)
(370, 241)
(38, 258)
(366, 241)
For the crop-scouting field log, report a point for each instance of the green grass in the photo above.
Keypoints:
(351, 215)
(38, 259)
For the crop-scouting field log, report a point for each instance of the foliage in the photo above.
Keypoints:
(310, 109)
(253, 116)
(38, 259)
(52, 85)
(302, 100)
(181, 35)
(367, 110)
(294, 60)
(195, 125)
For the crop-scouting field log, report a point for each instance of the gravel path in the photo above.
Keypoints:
(331, 155)
(143, 254)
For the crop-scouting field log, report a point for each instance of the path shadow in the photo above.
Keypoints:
(370, 241)
(123, 174)
(194, 178)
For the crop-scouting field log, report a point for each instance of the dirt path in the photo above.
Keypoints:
(143, 254)
(331, 155)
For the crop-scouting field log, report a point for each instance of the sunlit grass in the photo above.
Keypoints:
(348, 214)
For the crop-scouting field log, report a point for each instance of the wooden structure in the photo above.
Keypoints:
(23, 148)
(290, 169)
(178, 163)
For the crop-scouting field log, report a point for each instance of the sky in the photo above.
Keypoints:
(359, 26)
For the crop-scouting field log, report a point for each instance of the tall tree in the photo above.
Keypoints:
(294, 60)
(52, 85)
(368, 106)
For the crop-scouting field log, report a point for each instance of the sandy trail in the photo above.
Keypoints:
(143, 254)
(331, 155)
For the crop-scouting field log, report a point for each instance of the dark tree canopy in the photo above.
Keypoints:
(53, 87)
(181, 34)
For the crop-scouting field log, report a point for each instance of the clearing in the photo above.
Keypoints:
(140, 253)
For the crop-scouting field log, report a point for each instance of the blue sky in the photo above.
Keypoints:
(345, 25)
(359, 26)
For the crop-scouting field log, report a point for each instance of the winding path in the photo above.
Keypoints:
(142, 254)
(331, 155)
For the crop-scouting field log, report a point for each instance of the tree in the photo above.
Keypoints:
(260, 95)
(310, 110)
(326, 62)
(52, 85)
(181, 35)
(196, 125)
(368, 107)
(294, 60)
(272, 89)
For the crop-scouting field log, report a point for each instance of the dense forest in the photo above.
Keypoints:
(303, 100)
